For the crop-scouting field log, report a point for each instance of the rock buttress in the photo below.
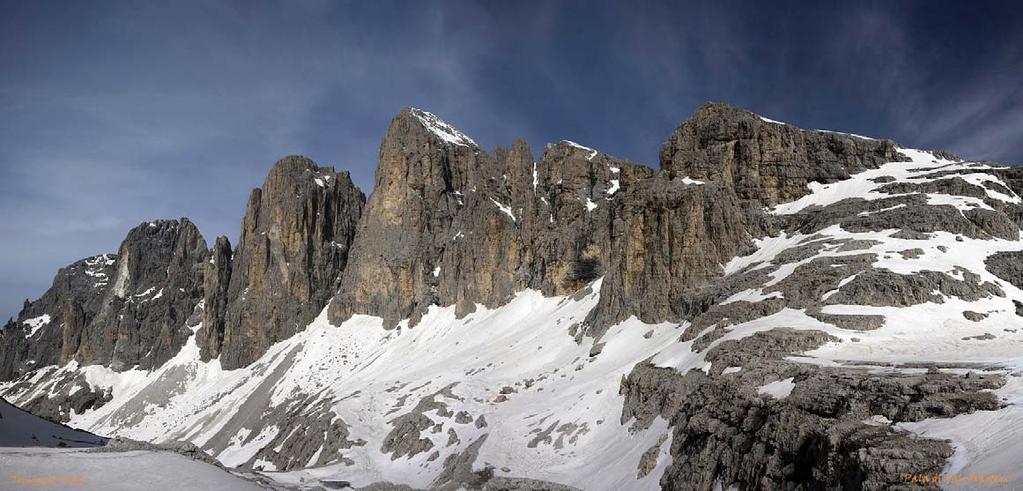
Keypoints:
(294, 243)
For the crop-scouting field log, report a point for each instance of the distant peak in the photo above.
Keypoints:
(441, 128)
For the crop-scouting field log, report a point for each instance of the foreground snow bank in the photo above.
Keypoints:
(47, 468)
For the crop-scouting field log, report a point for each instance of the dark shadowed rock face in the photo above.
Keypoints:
(37, 337)
(216, 281)
(157, 286)
(762, 160)
(294, 243)
(121, 310)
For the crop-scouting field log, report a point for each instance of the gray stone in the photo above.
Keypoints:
(974, 316)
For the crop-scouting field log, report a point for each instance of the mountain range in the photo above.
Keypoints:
(773, 308)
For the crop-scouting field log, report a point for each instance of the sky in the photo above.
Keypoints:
(114, 113)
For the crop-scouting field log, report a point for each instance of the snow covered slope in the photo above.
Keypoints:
(508, 385)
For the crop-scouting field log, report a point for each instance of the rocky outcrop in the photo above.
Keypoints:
(294, 243)
(1007, 266)
(311, 436)
(56, 396)
(833, 430)
(121, 311)
(185, 449)
(762, 160)
(909, 213)
(673, 232)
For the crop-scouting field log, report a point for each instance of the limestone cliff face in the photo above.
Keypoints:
(449, 224)
(672, 237)
(762, 160)
(294, 243)
(120, 310)
(36, 337)
(421, 182)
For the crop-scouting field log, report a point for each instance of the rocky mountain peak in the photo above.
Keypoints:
(293, 245)
(119, 310)
(764, 160)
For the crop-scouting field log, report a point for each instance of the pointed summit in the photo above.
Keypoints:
(434, 125)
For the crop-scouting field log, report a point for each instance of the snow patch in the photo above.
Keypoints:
(442, 129)
(779, 389)
(504, 209)
(35, 323)
(593, 153)
(613, 188)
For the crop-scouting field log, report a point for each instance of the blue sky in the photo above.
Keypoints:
(119, 112)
